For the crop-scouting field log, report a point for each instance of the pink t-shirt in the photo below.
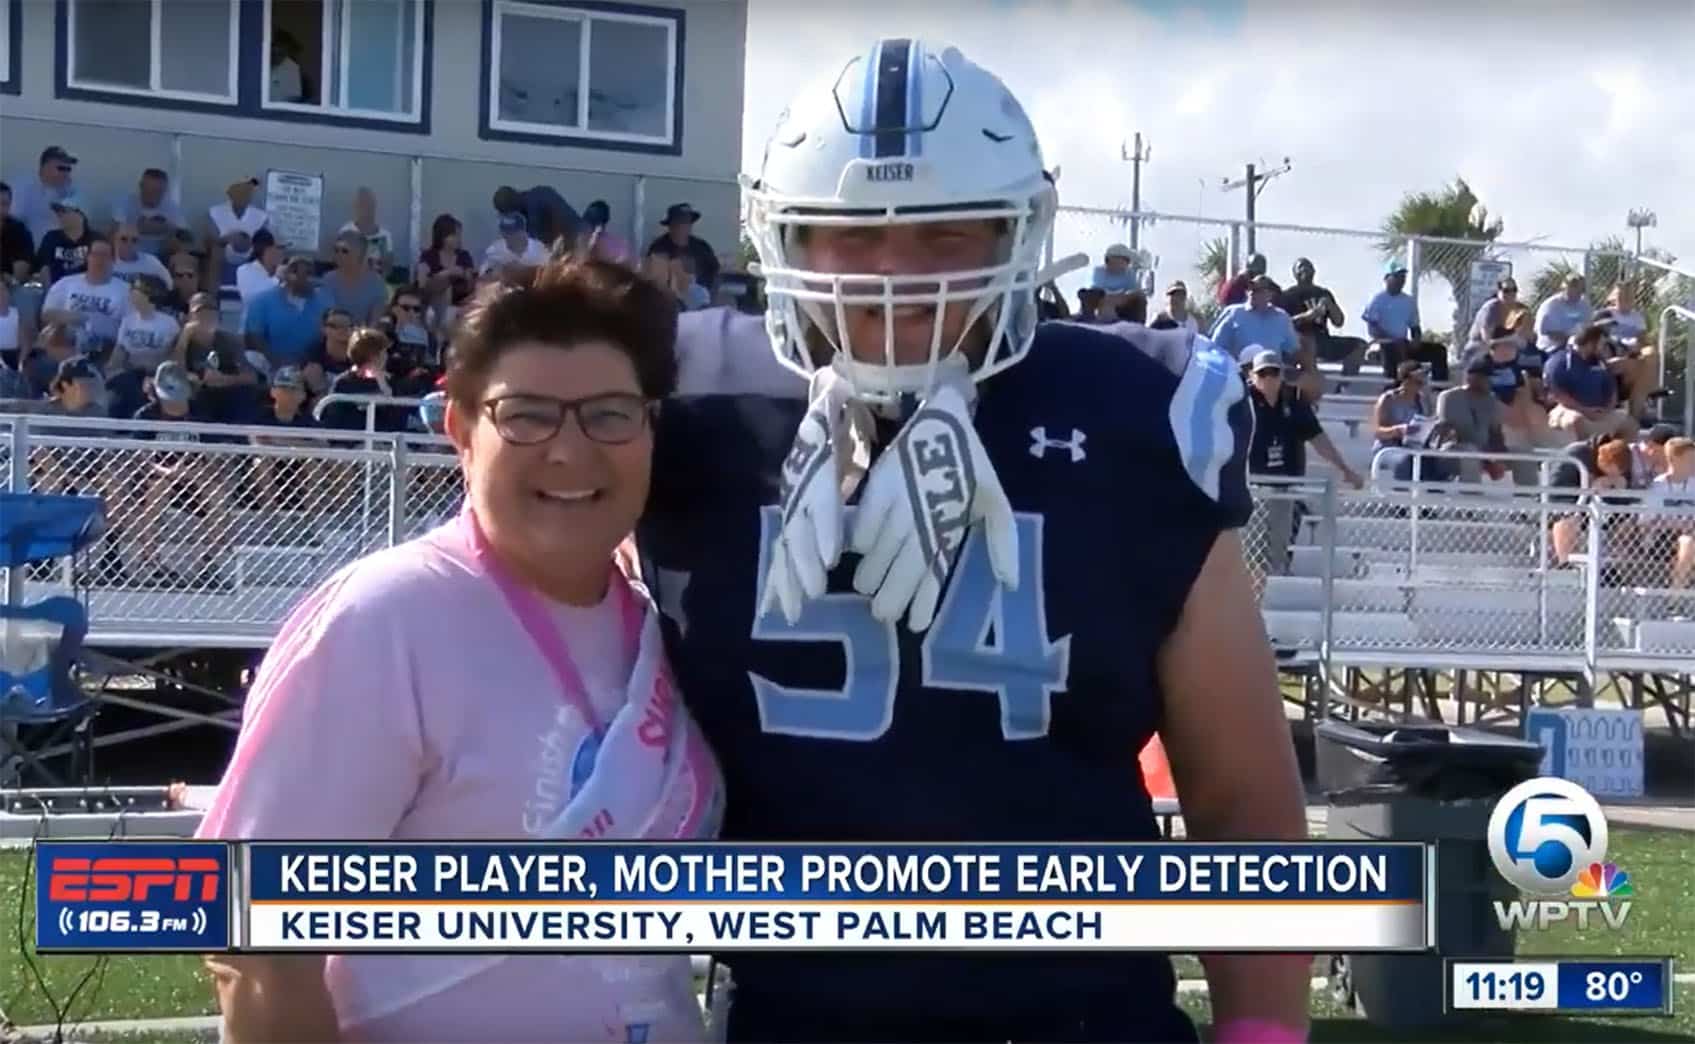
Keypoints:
(403, 700)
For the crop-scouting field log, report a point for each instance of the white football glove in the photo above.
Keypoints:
(823, 465)
(921, 498)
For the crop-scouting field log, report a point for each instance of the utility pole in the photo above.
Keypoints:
(1136, 158)
(1255, 182)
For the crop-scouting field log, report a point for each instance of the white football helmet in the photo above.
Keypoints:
(904, 133)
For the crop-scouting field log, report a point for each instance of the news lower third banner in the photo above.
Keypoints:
(608, 897)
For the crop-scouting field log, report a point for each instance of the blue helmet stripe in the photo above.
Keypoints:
(891, 122)
(868, 102)
(915, 100)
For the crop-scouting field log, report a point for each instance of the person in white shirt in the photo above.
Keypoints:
(287, 85)
(14, 332)
(130, 263)
(234, 224)
(1676, 490)
(93, 302)
(379, 244)
(259, 274)
(146, 335)
(1631, 358)
(1177, 308)
(514, 249)
(1560, 317)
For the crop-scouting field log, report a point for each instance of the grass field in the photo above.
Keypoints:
(1662, 922)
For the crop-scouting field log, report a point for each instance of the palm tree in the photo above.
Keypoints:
(1453, 212)
(1212, 262)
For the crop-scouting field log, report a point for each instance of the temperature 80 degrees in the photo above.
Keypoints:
(1610, 986)
(144, 922)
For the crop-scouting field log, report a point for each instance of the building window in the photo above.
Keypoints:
(181, 49)
(346, 57)
(585, 72)
(11, 17)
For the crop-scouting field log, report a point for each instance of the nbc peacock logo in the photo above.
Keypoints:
(1602, 881)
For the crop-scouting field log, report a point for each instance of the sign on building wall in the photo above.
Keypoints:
(295, 202)
(1485, 273)
(1599, 750)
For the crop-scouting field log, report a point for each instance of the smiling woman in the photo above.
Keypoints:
(486, 681)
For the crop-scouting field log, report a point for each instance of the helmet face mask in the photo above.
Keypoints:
(931, 293)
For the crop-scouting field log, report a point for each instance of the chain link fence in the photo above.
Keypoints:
(216, 540)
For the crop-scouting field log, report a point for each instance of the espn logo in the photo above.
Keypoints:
(119, 879)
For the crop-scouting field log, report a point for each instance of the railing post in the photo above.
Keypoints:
(1415, 262)
(19, 483)
(1235, 250)
(399, 463)
(1592, 599)
(1327, 615)
(638, 214)
(176, 170)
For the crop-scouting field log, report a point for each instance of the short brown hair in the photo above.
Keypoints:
(366, 345)
(1613, 455)
(1592, 333)
(567, 303)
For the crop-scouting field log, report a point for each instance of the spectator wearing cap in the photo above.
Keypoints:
(1283, 426)
(233, 223)
(1562, 315)
(351, 284)
(262, 274)
(92, 302)
(76, 388)
(1471, 417)
(32, 201)
(1234, 291)
(1245, 329)
(379, 242)
(1118, 272)
(515, 250)
(1391, 318)
(1648, 454)
(546, 215)
(602, 242)
(679, 240)
(216, 358)
(1315, 314)
(17, 242)
(1177, 308)
(1584, 392)
(176, 478)
(146, 338)
(63, 250)
(155, 215)
(282, 323)
(286, 483)
(1400, 414)
(328, 358)
(129, 261)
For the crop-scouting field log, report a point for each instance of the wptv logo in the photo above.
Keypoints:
(1548, 838)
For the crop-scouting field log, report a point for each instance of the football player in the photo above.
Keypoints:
(945, 581)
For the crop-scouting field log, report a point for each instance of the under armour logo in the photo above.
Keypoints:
(1040, 443)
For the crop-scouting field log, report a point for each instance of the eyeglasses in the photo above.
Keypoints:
(1509, 289)
(339, 325)
(400, 307)
(184, 275)
(530, 420)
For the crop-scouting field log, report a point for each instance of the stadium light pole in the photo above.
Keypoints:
(1136, 158)
(1255, 182)
(1639, 220)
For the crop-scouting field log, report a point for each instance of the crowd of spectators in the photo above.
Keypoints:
(140, 296)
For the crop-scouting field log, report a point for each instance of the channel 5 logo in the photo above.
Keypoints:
(1548, 838)
(122, 879)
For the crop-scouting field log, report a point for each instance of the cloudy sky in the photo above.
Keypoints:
(1563, 115)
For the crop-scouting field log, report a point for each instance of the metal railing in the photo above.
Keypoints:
(212, 543)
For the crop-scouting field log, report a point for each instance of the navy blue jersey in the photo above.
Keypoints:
(1017, 716)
